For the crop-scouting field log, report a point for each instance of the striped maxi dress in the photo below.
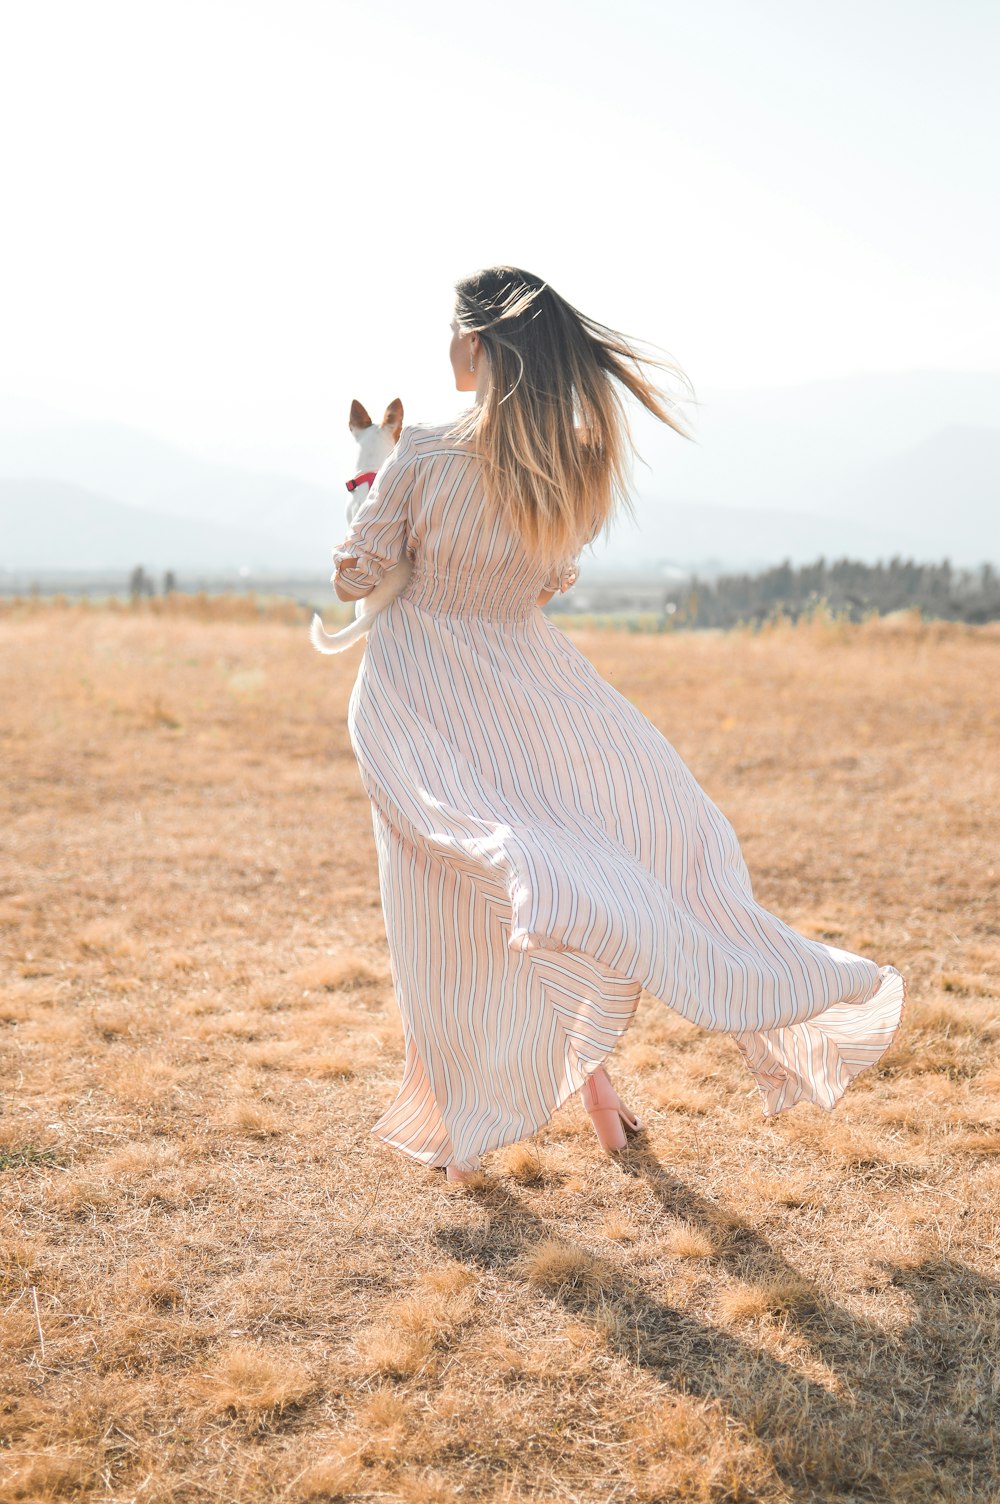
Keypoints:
(544, 853)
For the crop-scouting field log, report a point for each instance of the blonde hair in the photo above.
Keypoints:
(552, 432)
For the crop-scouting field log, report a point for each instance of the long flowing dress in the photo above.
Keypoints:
(544, 853)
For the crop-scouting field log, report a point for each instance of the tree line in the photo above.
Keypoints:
(848, 587)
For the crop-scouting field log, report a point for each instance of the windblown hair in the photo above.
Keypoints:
(552, 431)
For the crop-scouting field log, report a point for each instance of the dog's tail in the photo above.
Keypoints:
(335, 642)
(375, 601)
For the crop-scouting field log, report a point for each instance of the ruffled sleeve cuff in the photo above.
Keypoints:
(361, 575)
(565, 574)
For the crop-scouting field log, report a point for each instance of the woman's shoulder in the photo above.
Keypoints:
(433, 438)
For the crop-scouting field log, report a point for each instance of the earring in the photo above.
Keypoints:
(472, 363)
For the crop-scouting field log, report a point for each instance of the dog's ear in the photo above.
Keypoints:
(394, 418)
(359, 417)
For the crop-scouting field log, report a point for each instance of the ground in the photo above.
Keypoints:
(217, 1286)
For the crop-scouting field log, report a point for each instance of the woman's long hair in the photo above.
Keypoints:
(552, 432)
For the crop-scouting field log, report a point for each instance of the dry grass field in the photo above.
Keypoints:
(216, 1286)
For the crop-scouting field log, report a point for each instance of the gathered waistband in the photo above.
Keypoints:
(466, 596)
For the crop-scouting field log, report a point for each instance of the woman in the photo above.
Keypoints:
(544, 853)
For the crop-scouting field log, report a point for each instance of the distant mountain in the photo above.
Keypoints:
(914, 456)
(678, 537)
(47, 524)
(790, 446)
(939, 499)
(946, 487)
(145, 472)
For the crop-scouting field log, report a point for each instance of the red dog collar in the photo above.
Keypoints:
(360, 480)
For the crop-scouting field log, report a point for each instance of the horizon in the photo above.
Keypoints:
(837, 469)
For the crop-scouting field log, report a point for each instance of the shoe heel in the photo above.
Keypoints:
(452, 1172)
(609, 1128)
(605, 1111)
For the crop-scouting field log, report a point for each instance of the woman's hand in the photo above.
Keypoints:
(346, 564)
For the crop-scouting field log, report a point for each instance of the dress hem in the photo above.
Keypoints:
(771, 1092)
(436, 1162)
(771, 1104)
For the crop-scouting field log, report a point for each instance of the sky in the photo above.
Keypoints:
(226, 220)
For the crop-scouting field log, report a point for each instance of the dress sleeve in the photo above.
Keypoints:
(563, 576)
(381, 527)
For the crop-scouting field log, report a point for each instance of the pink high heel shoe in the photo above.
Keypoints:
(452, 1172)
(609, 1117)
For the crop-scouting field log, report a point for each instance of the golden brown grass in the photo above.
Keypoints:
(216, 1286)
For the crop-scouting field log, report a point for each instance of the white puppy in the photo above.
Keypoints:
(375, 444)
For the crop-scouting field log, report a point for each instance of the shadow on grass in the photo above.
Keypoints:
(914, 1415)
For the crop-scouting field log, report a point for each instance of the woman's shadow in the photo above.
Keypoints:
(914, 1411)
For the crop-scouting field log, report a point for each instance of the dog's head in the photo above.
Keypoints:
(375, 440)
(375, 443)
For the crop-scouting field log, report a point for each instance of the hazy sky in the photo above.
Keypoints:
(225, 220)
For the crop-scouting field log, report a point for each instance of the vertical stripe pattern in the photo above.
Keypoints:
(544, 852)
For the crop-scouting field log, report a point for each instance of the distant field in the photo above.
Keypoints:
(217, 1286)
